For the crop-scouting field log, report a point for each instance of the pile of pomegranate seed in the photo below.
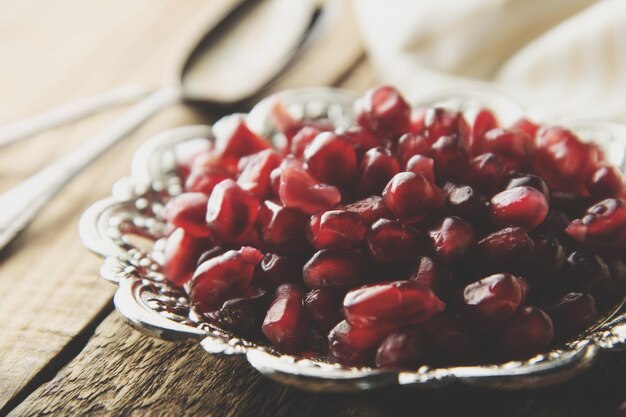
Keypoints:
(412, 238)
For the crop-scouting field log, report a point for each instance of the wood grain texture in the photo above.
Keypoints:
(122, 372)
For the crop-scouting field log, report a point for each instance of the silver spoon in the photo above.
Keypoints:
(277, 27)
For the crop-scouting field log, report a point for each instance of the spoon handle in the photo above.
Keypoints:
(71, 112)
(19, 205)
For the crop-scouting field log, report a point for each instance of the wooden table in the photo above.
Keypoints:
(63, 350)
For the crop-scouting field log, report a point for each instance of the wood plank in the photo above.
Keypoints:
(48, 290)
(122, 372)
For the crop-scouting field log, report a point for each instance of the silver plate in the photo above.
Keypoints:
(127, 230)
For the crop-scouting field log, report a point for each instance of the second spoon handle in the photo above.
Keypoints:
(19, 205)
(71, 112)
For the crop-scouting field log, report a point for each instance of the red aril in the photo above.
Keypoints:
(255, 169)
(356, 346)
(188, 210)
(392, 241)
(369, 209)
(282, 228)
(522, 206)
(528, 332)
(410, 197)
(401, 350)
(378, 166)
(182, 251)
(573, 313)
(285, 321)
(383, 110)
(391, 303)
(222, 277)
(423, 165)
(331, 159)
(301, 191)
(336, 268)
(324, 307)
(230, 211)
(451, 239)
(335, 229)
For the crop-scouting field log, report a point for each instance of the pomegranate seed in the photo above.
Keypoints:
(188, 210)
(290, 126)
(486, 172)
(255, 173)
(562, 160)
(554, 224)
(548, 254)
(302, 139)
(336, 229)
(528, 180)
(378, 166)
(205, 180)
(484, 121)
(212, 253)
(586, 271)
(285, 321)
(369, 209)
(434, 276)
(392, 241)
(451, 239)
(383, 110)
(331, 158)
(492, 300)
(468, 204)
(511, 143)
(417, 119)
(411, 197)
(527, 126)
(605, 182)
(528, 332)
(411, 144)
(573, 313)
(362, 139)
(450, 155)
(230, 211)
(446, 342)
(233, 139)
(336, 268)
(301, 191)
(182, 251)
(604, 225)
(523, 206)
(281, 228)
(505, 248)
(440, 122)
(222, 277)
(274, 270)
(422, 165)
(355, 346)
(213, 163)
(391, 303)
(401, 350)
(324, 307)
(244, 315)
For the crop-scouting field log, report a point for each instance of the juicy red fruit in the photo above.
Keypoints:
(222, 277)
(528, 332)
(401, 350)
(336, 268)
(356, 346)
(451, 239)
(378, 166)
(255, 172)
(603, 226)
(188, 210)
(285, 321)
(522, 206)
(230, 211)
(324, 307)
(281, 228)
(492, 300)
(392, 303)
(301, 191)
(182, 251)
(411, 197)
(331, 158)
(383, 110)
(393, 241)
(335, 229)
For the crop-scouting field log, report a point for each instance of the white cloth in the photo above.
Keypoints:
(559, 58)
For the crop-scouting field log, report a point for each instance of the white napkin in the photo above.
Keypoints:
(559, 58)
